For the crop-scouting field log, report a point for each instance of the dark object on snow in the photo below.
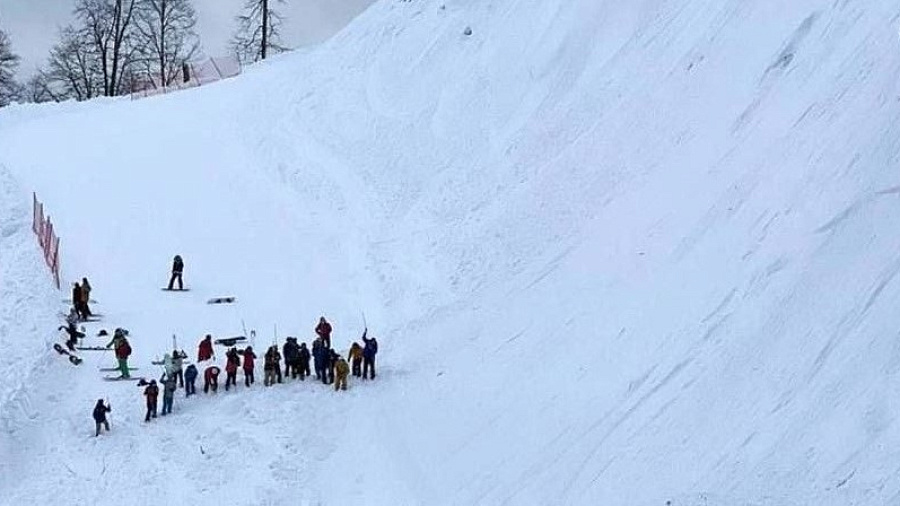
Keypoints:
(221, 300)
(467, 31)
(62, 351)
(230, 341)
(91, 348)
(102, 333)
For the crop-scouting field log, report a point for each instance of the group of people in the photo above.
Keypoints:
(329, 366)
(81, 297)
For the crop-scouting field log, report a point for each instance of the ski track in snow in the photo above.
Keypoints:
(613, 254)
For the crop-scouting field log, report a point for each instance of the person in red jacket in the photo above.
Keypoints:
(232, 362)
(211, 379)
(323, 330)
(151, 393)
(205, 350)
(249, 361)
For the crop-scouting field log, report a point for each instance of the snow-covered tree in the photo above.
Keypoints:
(9, 89)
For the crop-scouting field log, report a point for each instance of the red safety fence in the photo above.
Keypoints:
(43, 229)
(191, 75)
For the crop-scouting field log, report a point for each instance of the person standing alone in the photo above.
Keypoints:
(177, 271)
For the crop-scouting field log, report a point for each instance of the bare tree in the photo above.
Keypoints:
(109, 25)
(74, 69)
(258, 31)
(9, 89)
(167, 37)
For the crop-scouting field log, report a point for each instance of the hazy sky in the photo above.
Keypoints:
(32, 24)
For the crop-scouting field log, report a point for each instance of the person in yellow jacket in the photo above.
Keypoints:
(341, 370)
(355, 357)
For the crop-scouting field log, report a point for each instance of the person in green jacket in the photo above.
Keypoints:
(120, 344)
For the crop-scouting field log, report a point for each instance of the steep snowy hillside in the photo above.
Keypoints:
(613, 254)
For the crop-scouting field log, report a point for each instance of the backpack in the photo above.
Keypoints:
(126, 348)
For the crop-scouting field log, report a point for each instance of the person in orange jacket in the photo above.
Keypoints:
(355, 357)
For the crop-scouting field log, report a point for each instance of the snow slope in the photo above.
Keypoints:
(614, 254)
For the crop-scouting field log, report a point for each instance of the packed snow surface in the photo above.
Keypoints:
(616, 253)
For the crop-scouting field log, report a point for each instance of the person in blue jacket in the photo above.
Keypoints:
(190, 379)
(370, 349)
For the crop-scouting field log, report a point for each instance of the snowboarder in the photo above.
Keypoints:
(249, 361)
(123, 351)
(323, 330)
(272, 366)
(86, 296)
(211, 379)
(355, 357)
(177, 270)
(342, 370)
(291, 358)
(303, 361)
(318, 353)
(369, 352)
(232, 362)
(205, 349)
(190, 378)
(151, 393)
(100, 411)
(170, 384)
(178, 357)
(72, 330)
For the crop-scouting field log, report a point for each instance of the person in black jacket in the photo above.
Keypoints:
(291, 352)
(190, 378)
(100, 411)
(177, 270)
(370, 349)
(303, 360)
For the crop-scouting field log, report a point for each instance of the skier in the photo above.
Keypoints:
(323, 330)
(100, 411)
(291, 358)
(74, 334)
(178, 357)
(355, 357)
(86, 296)
(318, 353)
(151, 393)
(190, 378)
(205, 349)
(249, 360)
(177, 270)
(303, 360)
(232, 362)
(211, 379)
(369, 352)
(170, 384)
(123, 351)
(342, 370)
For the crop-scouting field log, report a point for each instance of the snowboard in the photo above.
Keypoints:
(69, 301)
(230, 341)
(114, 369)
(222, 300)
(62, 351)
(175, 289)
(92, 348)
(120, 378)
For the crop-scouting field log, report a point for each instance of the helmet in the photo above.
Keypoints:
(152, 382)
